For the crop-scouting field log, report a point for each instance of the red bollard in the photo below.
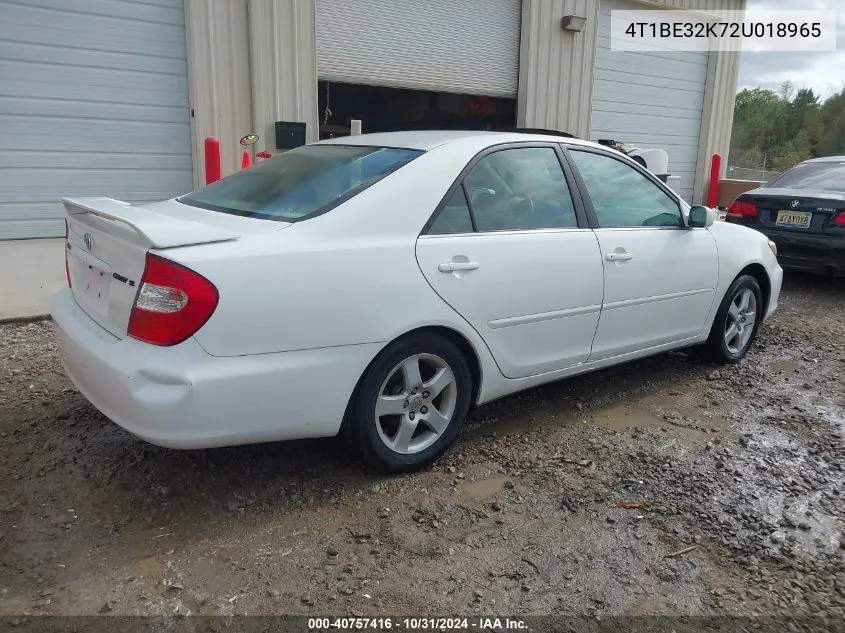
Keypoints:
(713, 190)
(246, 160)
(212, 159)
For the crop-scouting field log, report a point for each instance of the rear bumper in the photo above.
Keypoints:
(181, 397)
(812, 253)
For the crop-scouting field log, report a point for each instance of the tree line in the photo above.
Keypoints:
(774, 130)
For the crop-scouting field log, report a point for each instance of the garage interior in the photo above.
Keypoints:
(386, 109)
(395, 66)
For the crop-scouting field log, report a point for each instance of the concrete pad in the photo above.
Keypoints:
(31, 273)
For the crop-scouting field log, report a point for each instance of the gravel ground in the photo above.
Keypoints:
(667, 486)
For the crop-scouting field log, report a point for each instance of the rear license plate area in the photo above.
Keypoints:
(94, 286)
(794, 219)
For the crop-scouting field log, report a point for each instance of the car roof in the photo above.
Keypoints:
(429, 139)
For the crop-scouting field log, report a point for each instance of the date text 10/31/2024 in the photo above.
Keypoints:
(416, 624)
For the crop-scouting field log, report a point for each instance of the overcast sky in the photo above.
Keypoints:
(823, 72)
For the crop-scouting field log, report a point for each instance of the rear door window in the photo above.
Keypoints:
(302, 182)
(520, 189)
(454, 217)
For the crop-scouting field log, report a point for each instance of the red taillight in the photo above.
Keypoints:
(741, 209)
(172, 304)
(67, 263)
(840, 218)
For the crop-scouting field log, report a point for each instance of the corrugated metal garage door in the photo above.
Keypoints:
(93, 102)
(466, 47)
(649, 99)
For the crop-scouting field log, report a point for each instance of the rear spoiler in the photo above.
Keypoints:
(158, 229)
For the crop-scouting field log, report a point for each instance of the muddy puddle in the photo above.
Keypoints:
(483, 489)
(660, 413)
(671, 414)
(622, 417)
(785, 367)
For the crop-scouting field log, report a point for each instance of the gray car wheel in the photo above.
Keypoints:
(411, 403)
(737, 321)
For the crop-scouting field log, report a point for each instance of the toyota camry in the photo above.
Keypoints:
(378, 286)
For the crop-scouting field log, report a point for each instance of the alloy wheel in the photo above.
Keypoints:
(740, 320)
(416, 403)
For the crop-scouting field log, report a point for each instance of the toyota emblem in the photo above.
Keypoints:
(794, 204)
(89, 241)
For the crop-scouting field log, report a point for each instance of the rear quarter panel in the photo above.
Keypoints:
(348, 277)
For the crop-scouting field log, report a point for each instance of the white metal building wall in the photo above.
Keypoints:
(282, 66)
(93, 102)
(467, 47)
(219, 36)
(650, 99)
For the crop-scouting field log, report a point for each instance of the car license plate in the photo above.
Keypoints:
(95, 287)
(794, 219)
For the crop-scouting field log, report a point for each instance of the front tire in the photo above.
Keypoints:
(411, 404)
(737, 321)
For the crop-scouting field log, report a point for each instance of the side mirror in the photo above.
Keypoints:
(701, 217)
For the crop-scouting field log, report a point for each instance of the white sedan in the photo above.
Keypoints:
(380, 285)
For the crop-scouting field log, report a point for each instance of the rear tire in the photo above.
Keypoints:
(411, 404)
(737, 321)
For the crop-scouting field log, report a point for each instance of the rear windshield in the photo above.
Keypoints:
(827, 176)
(300, 183)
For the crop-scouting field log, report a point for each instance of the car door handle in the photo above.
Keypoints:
(450, 267)
(618, 257)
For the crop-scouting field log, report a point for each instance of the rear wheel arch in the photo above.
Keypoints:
(432, 370)
(453, 336)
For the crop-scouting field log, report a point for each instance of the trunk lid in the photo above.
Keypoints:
(108, 240)
(797, 210)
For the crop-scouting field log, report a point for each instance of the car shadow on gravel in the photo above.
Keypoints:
(122, 471)
(116, 480)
